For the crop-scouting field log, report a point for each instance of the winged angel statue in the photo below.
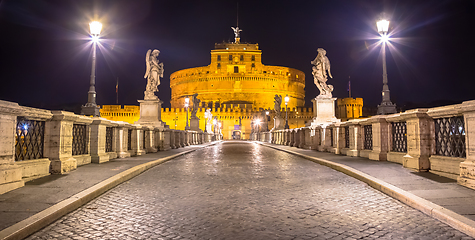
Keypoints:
(153, 73)
(319, 71)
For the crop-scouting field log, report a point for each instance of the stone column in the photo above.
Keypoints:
(98, 140)
(301, 132)
(172, 138)
(137, 137)
(467, 167)
(356, 140)
(59, 142)
(418, 139)
(150, 140)
(295, 137)
(121, 139)
(179, 138)
(10, 172)
(380, 130)
(317, 140)
(326, 141)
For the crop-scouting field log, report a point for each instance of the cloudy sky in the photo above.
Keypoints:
(45, 49)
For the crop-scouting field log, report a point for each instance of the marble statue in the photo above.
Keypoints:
(153, 73)
(277, 104)
(319, 71)
(236, 31)
(196, 105)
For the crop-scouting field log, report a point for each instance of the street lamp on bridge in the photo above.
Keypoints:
(91, 108)
(187, 103)
(386, 106)
(286, 112)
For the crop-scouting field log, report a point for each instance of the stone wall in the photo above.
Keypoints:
(35, 143)
(440, 140)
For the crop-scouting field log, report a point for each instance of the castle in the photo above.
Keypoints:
(237, 88)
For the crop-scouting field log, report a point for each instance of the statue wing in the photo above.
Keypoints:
(327, 63)
(147, 63)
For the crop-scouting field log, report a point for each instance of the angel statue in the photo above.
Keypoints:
(196, 105)
(321, 66)
(277, 104)
(236, 33)
(153, 73)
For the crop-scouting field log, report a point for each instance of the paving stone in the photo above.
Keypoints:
(241, 190)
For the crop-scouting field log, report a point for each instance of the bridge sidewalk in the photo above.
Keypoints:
(434, 195)
(25, 210)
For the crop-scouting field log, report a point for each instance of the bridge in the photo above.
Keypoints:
(395, 176)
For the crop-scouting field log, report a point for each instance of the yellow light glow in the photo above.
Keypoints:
(383, 26)
(286, 99)
(95, 28)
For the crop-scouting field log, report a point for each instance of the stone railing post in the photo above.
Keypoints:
(10, 172)
(317, 138)
(326, 139)
(467, 167)
(381, 132)
(137, 140)
(121, 136)
(180, 138)
(296, 138)
(150, 140)
(356, 140)
(419, 139)
(98, 140)
(301, 133)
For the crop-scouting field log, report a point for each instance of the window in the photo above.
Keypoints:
(219, 57)
(253, 58)
(230, 57)
(253, 65)
(219, 65)
(236, 69)
(242, 58)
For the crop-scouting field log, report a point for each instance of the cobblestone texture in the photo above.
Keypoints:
(241, 190)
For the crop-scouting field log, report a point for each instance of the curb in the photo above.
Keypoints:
(40, 220)
(440, 213)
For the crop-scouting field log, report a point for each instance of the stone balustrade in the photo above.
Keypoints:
(36, 142)
(440, 140)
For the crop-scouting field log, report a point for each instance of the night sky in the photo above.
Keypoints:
(46, 51)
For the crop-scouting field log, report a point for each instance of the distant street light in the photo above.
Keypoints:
(187, 103)
(258, 124)
(91, 108)
(386, 106)
(286, 112)
(267, 121)
(214, 124)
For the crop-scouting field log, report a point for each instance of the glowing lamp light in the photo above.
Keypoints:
(286, 99)
(214, 121)
(383, 26)
(258, 121)
(267, 112)
(385, 38)
(187, 101)
(95, 28)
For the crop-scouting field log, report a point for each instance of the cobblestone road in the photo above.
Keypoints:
(241, 190)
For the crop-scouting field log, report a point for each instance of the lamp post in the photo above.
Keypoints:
(187, 102)
(91, 108)
(176, 118)
(386, 106)
(267, 121)
(286, 112)
(258, 124)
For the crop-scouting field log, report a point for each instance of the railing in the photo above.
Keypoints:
(440, 140)
(450, 137)
(399, 133)
(109, 138)
(29, 139)
(368, 137)
(79, 139)
(129, 139)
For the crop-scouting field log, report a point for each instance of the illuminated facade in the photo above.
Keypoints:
(349, 108)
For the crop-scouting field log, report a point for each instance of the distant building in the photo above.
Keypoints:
(238, 89)
(349, 108)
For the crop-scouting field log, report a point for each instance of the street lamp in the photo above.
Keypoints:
(91, 108)
(386, 106)
(286, 112)
(267, 121)
(187, 102)
(214, 124)
(258, 124)
(176, 118)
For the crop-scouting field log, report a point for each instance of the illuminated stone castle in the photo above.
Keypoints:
(238, 89)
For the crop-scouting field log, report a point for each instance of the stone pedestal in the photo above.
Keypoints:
(323, 111)
(279, 123)
(10, 172)
(98, 140)
(151, 113)
(380, 131)
(467, 167)
(195, 124)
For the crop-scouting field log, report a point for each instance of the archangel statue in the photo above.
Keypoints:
(321, 66)
(236, 34)
(277, 103)
(153, 73)
(196, 105)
